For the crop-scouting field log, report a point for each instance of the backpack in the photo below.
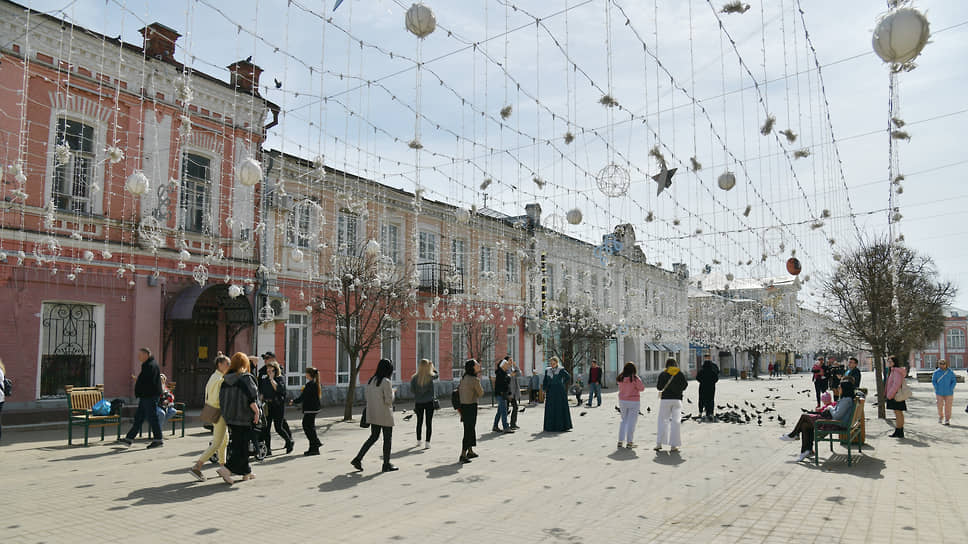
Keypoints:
(116, 406)
(7, 387)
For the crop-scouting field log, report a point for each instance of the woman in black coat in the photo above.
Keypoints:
(707, 377)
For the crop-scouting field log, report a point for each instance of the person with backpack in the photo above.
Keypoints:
(272, 387)
(379, 414)
(469, 391)
(944, 381)
(220, 437)
(148, 389)
(671, 384)
(238, 399)
(4, 391)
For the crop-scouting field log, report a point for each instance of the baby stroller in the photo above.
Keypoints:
(257, 444)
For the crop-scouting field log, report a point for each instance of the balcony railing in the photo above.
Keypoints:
(440, 278)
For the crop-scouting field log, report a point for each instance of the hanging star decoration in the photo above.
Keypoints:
(664, 179)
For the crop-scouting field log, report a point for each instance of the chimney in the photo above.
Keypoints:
(245, 75)
(533, 211)
(681, 270)
(159, 41)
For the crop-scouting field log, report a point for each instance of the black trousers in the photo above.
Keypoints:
(707, 404)
(514, 411)
(238, 450)
(468, 415)
(532, 395)
(424, 410)
(374, 435)
(804, 428)
(276, 416)
(819, 386)
(309, 429)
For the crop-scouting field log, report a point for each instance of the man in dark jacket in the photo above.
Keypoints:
(595, 383)
(853, 372)
(148, 389)
(502, 389)
(707, 377)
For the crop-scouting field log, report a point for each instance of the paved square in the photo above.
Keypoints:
(731, 483)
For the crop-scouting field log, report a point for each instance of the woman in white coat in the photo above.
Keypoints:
(379, 414)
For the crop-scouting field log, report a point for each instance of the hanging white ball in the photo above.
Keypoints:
(574, 216)
(88, 256)
(726, 181)
(296, 255)
(137, 183)
(901, 35)
(372, 248)
(235, 291)
(463, 215)
(115, 154)
(184, 255)
(250, 172)
(420, 20)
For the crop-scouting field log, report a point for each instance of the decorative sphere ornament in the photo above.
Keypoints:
(184, 255)
(88, 256)
(296, 255)
(793, 266)
(726, 181)
(115, 154)
(235, 291)
(420, 20)
(574, 216)
(137, 183)
(250, 172)
(613, 180)
(901, 35)
(463, 215)
(372, 248)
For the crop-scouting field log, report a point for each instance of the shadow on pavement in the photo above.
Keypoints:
(345, 481)
(176, 492)
(668, 458)
(444, 471)
(623, 454)
(412, 450)
(863, 466)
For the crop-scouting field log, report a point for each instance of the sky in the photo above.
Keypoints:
(682, 82)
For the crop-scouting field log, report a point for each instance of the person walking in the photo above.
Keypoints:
(148, 389)
(819, 380)
(309, 399)
(424, 398)
(379, 414)
(220, 437)
(272, 387)
(840, 412)
(894, 382)
(557, 416)
(595, 378)
(629, 387)
(853, 372)
(469, 390)
(770, 368)
(534, 386)
(3, 395)
(502, 390)
(238, 399)
(944, 381)
(707, 377)
(515, 399)
(671, 384)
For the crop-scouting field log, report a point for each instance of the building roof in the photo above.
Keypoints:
(717, 281)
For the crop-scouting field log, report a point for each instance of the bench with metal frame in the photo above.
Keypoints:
(80, 401)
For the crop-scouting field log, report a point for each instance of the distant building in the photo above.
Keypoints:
(949, 345)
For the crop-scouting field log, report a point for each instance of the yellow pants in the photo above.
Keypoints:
(220, 441)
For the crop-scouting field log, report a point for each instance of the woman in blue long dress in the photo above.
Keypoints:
(557, 417)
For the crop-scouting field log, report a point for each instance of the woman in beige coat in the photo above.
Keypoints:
(470, 391)
(379, 414)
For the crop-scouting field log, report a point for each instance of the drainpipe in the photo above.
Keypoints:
(262, 259)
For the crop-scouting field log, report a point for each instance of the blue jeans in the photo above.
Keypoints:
(502, 412)
(147, 409)
(595, 390)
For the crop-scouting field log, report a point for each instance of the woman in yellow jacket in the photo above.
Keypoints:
(220, 436)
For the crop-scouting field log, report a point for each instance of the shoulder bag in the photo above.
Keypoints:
(363, 422)
(210, 414)
(665, 386)
(903, 393)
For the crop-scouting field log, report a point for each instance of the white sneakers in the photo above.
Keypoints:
(803, 455)
(419, 443)
(427, 445)
(786, 438)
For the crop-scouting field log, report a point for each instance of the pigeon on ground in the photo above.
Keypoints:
(648, 409)
(617, 409)
(781, 420)
(583, 413)
(407, 418)
(640, 413)
(689, 400)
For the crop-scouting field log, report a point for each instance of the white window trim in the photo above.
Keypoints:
(416, 346)
(99, 321)
(96, 198)
(215, 169)
(396, 356)
(309, 345)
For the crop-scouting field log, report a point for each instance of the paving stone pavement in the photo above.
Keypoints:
(731, 483)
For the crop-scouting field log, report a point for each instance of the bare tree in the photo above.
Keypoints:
(365, 295)
(886, 298)
(577, 335)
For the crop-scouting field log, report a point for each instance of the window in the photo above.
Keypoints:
(297, 349)
(427, 340)
(72, 180)
(511, 267)
(346, 233)
(956, 361)
(390, 241)
(930, 361)
(427, 247)
(487, 260)
(932, 345)
(69, 339)
(297, 226)
(550, 281)
(458, 255)
(196, 193)
(513, 342)
(343, 356)
(390, 347)
(956, 339)
(458, 351)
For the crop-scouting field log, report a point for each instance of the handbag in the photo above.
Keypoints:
(363, 422)
(210, 414)
(436, 404)
(903, 393)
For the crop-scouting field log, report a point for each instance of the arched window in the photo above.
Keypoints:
(956, 339)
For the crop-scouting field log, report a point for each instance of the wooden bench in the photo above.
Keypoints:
(848, 435)
(178, 417)
(80, 400)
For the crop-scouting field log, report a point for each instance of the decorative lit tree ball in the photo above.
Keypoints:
(137, 183)
(574, 216)
(250, 172)
(372, 248)
(234, 291)
(726, 181)
(793, 266)
(463, 215)
(901, 35)
(420, 20)
(184, 255)
(297, 255)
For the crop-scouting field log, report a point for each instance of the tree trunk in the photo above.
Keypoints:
(879, 378)
(351, 390)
